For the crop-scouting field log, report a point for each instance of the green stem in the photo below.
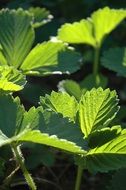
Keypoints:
(78, 178)
(20, 161)
(96, 63)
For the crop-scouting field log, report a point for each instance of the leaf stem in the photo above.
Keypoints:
(79, 177)
(20, 160)
(96, 63)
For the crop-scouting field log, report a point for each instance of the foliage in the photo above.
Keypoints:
(42, 127)
(56, 61)
(114, 59)
(11, 79)
(83, 118)
(96, 110)
(92, 30)
(17, 37)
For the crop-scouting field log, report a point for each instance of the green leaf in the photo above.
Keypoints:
(3, 60)
(30, 119)
(77, 33)
(55, 131)
(89, 82)
(40, 155)
(11, 79)
(36, 136)
(115, 60)
(17, 120)
(41, 16)
(61, 103)
(109, 156)
(76, 90)
(11, 114)
(102, 136)
(32, 92)
(59, 59)
(120, 117)
(16, 35)
(3, 139)
(92, 30)
(54, 124)
(97, 109)
(71, 87)
(105, 20)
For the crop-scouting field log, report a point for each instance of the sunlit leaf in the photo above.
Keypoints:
(92, 30)
(30, 120)
(16, 35)
(109, 156)
(41, 16)
(11, 79)
(78, 32)
(51, 58)
(61, 103)
(53, 129)
(105, 20)
(97, 108)
(102, 136)
(36, 136)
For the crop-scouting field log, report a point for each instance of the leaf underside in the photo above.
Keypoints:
(43, 138)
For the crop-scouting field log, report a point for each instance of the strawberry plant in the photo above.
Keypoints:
(84, 119)
(85, 129)
(17, 34)
(93, 31)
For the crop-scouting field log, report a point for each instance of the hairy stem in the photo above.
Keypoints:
(96, 64)
(20, 161)
(78, 178)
